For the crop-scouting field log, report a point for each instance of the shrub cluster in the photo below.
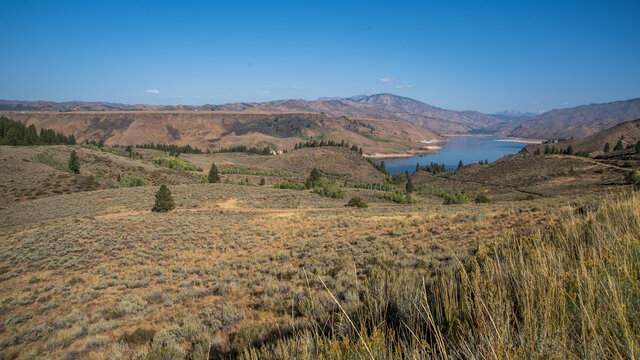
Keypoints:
(397, 196)
(290, 185)
(176, 163)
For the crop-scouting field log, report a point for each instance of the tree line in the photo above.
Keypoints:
(171, 148)
(321, 143)
(18, 134)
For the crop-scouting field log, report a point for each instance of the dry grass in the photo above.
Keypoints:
(571, 291)
(94, 274)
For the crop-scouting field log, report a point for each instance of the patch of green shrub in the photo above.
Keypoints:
(375, 186)
(397, 196)
(45, 158)
(133, 181)
(357, 202)
(327, 187)
(482, 199)
(176, 163)
(290, 185)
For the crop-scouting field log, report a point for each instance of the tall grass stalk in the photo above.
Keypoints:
(571, 291)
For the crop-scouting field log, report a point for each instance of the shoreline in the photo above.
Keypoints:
(404, 155)
(521, 140)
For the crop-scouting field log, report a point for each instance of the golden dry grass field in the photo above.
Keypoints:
(88, 271)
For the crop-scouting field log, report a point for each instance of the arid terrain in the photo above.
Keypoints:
(213, 131)
(95, 274)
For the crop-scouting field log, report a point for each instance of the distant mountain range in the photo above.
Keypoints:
(514, 114)
(575, 122)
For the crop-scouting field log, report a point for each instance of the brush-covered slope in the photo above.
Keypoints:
(628, 133)
(217, 130)
(577, 122)
(381, 106)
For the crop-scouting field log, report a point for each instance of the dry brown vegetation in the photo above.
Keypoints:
(217, 130)
(93, 273)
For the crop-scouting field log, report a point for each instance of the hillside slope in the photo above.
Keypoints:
(577, 122)
(217, 130)
(628, 133)
(379, 106)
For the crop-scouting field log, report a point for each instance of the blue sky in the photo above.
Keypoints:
(480, 55)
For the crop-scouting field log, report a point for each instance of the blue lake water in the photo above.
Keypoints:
(469, 149)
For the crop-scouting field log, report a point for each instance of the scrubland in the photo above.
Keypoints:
(250, 271)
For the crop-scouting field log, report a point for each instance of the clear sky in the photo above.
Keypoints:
(462, 55)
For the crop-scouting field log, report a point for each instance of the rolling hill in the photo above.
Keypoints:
(628, 133)
(379, 106)
(218, 130)
(577, 122)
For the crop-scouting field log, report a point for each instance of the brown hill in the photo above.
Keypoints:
(577, 122)
(216, 130)
(546, 176)
(379, 106)
(628, 133)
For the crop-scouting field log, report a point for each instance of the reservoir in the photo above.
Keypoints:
(469, 149)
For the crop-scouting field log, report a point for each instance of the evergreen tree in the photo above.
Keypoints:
(638, 147)
(409, 187)
(11, 137)
(262, 182)
(417, 167)
(607, 148)
(486, 161)
(31, 135)
(164, 200)
(570, 150)
(460, 164)
(74, 164)
(618, 146)
(313, 178)
(213, 174)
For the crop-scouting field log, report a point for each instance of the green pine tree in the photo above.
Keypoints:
(460, 164)
(618, 146)
(74, 163)
(409, 186)
(31, 135)
(262, 182)
(213, 174)
(638, 147)
(313, 178)
(570, 150)
(607, 148)
(164, 200)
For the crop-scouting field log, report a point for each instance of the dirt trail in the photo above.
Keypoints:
(227, 205)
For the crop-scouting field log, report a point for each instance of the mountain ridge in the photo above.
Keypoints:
(577, 122)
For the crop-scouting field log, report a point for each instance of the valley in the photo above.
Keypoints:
(242, 265)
